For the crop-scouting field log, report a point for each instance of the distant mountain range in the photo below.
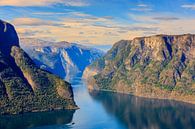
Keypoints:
(64, 59)
(24, 87)
(160, 66)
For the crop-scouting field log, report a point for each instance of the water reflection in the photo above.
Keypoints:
(31, 120)
(140, 113)
(105, 110)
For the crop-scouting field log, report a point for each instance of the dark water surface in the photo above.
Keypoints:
(104, 110)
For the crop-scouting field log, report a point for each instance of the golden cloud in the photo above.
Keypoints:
(101, 30)
(43, 2)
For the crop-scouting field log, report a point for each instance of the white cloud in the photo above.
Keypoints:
(142, 7)
(75, 3)
(49, 13)
(189, 6)
(78, 3)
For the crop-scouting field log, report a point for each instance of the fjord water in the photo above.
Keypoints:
(105, 110)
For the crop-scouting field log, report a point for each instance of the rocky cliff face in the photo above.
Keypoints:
(161, 66)
(23, 86)
(64, 59)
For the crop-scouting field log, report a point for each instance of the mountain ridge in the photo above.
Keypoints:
(23, 86)
(60, 57)
(161, 66)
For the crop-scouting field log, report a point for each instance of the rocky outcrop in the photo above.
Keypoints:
(88, 76)
(23, 86)
(161, 66)
(90, 72)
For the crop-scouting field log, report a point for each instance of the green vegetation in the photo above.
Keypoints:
(23, 86)
(153, 62)
(19, 96)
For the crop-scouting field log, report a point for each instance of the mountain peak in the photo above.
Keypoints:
(23, 86)
(8, 37)
(160, 66)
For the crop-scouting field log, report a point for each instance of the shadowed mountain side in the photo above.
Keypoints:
(33, 120)
(24, 87)
(8, 38)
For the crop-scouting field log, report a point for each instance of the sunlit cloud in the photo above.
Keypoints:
(56, 20)
(81, 29)
(85, 28)
(77, 3)
(30, 33)
(34, 22)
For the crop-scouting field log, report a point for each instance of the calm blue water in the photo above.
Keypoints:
(104, 110)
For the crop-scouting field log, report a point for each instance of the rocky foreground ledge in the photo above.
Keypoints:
(23, 86)
(161, 66)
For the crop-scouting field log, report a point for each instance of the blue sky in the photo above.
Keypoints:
(98, 21)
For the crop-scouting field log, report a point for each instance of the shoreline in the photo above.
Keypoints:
(41, 111)
(144, 96)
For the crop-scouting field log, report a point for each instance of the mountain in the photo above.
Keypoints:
(160, 66)
(23, 86)
(64, 59)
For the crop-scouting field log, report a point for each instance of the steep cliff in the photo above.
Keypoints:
(23, 86)
(161, 66)
(67, 60)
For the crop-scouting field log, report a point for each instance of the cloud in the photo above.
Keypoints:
(103, 25)
(85, 28)
(139, 28)
(110, 34)
(81, 28)
(142, 7)
(78, 14)
(122, 31)
(189, 6)
(78, 3)
(34, 22)
(154, 18)
(75, 3)
(30, 33)
(108, 17)
(49, 13)
(150, 33)
(81, 33)
(166, 18)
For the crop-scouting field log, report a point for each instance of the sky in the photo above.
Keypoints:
(98, 22)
